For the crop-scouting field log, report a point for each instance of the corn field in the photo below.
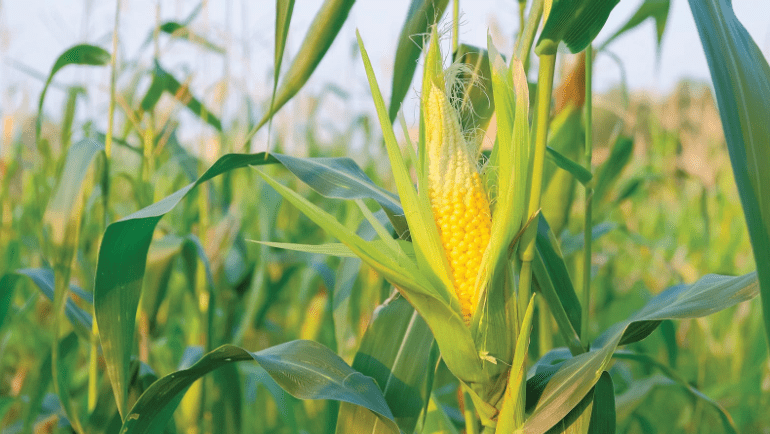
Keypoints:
(524, 256)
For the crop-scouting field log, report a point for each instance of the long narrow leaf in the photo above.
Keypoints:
(741, 77)
(421, 16)
(326, 24)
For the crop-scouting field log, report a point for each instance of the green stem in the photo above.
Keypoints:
(542, 117)
(527, 36)
(455, 25)
(113, 79)
(93, 368)
(589, 194)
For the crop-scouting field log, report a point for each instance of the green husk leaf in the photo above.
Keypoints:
(512, 413)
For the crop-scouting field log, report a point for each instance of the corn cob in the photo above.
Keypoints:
(457, 196)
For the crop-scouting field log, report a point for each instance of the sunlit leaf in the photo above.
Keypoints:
(323, 30)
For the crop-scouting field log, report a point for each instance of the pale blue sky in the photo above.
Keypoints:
(34, 32)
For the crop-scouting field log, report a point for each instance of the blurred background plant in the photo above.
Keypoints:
(667, 213)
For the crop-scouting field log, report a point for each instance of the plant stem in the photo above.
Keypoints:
(589, 194)
(455, 25)
(93, 391)
(542, 117)
(113, 79)
(527, 36)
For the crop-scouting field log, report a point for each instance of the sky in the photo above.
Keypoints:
(34, 32)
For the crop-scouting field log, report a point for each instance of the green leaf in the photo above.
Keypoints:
(437, 421)
(44, 280)
(121, 267)
(162, 81)
(332, 249)
(741, 77)
(341, 178)
(397, 352)
(608, 174)
(671, 377)
(305, 369)
(421, 16)
(603, 417)
(579, 172)
(576, 22)
(577, 376)
(658, 10)
(181, 31)
(82, 54)
(324, 28)
(554, 283)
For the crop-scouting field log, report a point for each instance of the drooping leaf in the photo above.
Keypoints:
(123, 254)
(575, 22)
(579, 172)
(82, 54)
(163, 81)
(43, 279)
(305, 369)
(741, 77)
(182, 31)
(575, 377)
(421, 16)
(341, 178)
(120, 271)
(658, 10)
(608, 173)
(673, 378)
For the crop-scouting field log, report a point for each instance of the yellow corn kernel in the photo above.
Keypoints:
(458, 198)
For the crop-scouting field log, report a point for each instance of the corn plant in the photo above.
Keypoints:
(470, 254)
